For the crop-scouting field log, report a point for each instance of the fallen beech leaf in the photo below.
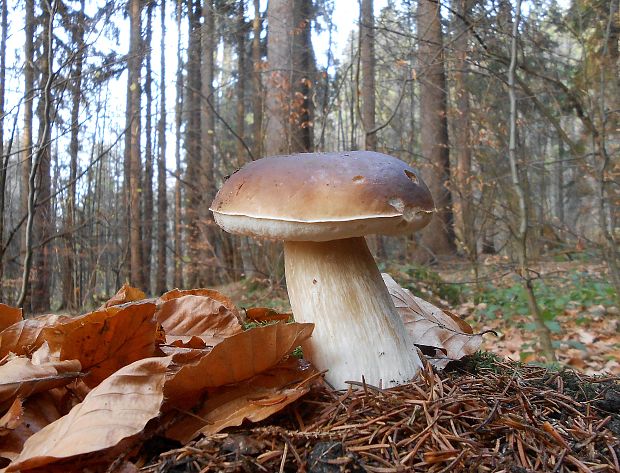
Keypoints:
(117, 409)
(24, 337)
(125, 294)
(430, 326)
(9, 316)
(37, 412)
(186, 342)
(253, 400)
(105, 341)
(19, 377)
(201, 312)
(11, 418)
(236, 359)
(213, 294)
(264, 314)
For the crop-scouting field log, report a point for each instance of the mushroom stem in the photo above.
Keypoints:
(337, 286)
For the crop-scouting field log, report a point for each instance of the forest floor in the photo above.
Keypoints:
(575, 298)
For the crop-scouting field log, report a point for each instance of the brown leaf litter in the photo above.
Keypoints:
(504, 418)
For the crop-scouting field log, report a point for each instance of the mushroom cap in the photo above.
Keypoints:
(323, 196)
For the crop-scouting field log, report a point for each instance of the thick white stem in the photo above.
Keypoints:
(337, 286)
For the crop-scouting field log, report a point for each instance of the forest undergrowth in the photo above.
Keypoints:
(575, 297)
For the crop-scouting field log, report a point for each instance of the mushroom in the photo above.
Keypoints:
(322, 205)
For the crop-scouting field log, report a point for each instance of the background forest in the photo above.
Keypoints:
(119, 121)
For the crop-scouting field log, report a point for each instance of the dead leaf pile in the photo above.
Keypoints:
(504, 418)
(79, 392)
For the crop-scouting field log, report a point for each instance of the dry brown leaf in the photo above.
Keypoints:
(19, 377)
(201, 312)
(186, 341)
(11, 418)
(430, 326)
(253, 400)
(235, 359)
(265, 314)
(9, 316)
(105, 341)
(37, 412)
(117, 409)
(212, 293)
(125, 294)
(24, 337)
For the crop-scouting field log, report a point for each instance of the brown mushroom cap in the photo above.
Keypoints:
(323, 196)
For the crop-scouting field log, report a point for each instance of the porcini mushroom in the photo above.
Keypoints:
(322, 205)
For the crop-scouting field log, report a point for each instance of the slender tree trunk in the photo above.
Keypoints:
(438, 237)
(42, 264)
(543, 331)
(246, 256)
(39, 184)
(134, 128)
(3, 160)
(559, 174)
(462, 129)
(193, 148)
(240, 86)
(257, 98)
(178, 231)
(26, 159)
(367, 65)
(147, 194)
(69, 296)
(162, 197)
(209, 243)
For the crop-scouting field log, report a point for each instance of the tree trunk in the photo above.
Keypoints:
(464, 215)
(38, 225)
(290, 57)
(3, 161)
(26, 159)
(367, 65)
(69, 295)
(559, 175)
(162, 197)
(194, 171)
(438, 237)
(42, 264)
(147, 194)
(134, 64)
(244, 248)
(178, 231)
(257, 98)
(210, 249)
(521, 234)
